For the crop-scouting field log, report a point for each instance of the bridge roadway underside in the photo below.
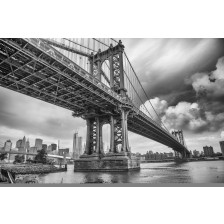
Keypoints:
(34, 68)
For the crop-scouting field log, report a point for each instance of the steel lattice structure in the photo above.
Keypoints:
(36, 68)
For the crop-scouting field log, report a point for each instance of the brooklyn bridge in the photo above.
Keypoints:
(94, 79)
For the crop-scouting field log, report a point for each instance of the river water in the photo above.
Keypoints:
(190, 172)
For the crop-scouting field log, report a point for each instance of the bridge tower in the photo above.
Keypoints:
(180, 137)
(119, 156)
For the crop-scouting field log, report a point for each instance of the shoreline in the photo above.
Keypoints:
(22, 169)
(190, 160)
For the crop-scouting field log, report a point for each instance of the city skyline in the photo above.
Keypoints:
(178, 68)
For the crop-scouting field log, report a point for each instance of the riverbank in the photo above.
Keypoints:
(31, 168)
(187, 160)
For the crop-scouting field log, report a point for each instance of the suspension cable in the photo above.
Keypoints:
(141, 86)
(126, 76)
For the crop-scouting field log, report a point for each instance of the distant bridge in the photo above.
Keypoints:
(34, 154)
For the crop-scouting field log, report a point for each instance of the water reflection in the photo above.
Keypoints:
(191, 172)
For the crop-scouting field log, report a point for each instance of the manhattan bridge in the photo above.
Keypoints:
(95, 80)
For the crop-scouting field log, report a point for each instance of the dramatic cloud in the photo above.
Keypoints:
(209, 87)
(163, 65)
(205, 115)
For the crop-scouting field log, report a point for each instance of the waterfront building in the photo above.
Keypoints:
(222, 147)
(62, 152)
(208, 151)
(38, 143)
(7, 146)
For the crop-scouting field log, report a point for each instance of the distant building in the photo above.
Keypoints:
(7, 145)
(24, 142)
(196, 153)
(169, 155)
(208, 151)
(44, 147)
(21, 144)
(53, 147)
(62, 152)
(38, 143)
(142, 157)
(77, 146)
(222, 147)
(27, 145)
(33, 149)
(80, 145)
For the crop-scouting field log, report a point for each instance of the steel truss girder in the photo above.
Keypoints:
(35, 89)
(71, 92)
(73, 79)
(158, 129)
(144, 131)
(152, 133)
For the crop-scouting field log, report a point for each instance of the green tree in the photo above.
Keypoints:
(3, 156)
(41, 156)
(19, 159)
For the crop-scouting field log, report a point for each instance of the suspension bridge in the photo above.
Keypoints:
(96, 81)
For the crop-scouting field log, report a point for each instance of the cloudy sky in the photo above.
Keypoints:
(183, 77)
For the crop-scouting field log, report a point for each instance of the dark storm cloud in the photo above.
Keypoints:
(164, 65)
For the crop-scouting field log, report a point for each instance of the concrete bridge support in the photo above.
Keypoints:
(119, 157)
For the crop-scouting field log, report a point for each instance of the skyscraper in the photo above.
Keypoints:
(80, 145)
(38, 143)
(222, 147)
(208, 150)
(27, 145)
(24, 142)
(8, 145)
(21, 144)
(77, 146)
